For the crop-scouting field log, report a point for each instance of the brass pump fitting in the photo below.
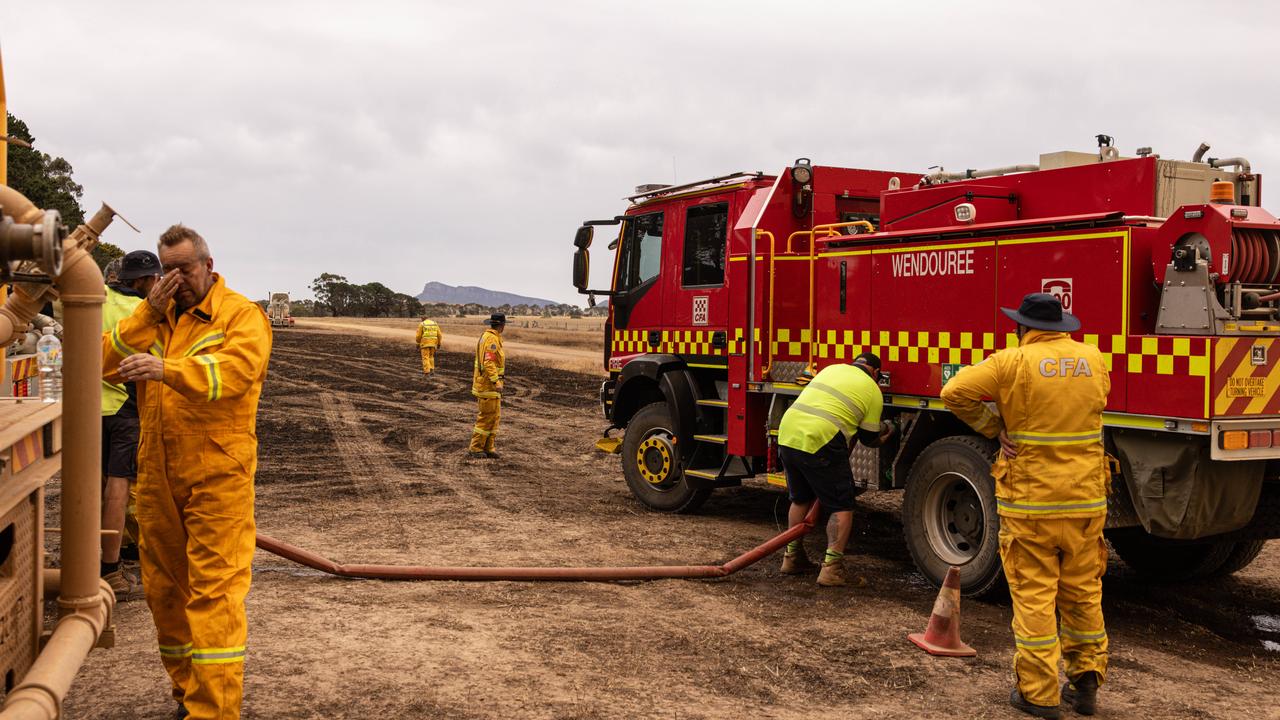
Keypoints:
(39, 242)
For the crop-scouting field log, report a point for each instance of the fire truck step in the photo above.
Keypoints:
(715, 477)
(717, 439)
(714, 403)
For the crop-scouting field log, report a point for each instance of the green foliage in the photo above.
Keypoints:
(305, 308)
(45, 180)
(331, 292)
(105, 252)
(340, 297)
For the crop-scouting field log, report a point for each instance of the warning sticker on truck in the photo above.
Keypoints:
(1238, 387)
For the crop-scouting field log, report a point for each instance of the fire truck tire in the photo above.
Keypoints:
(1242, 553)
(949, 514)
(651, 463)
(1162, 560)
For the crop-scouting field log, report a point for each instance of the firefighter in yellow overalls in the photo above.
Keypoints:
(1051, 493)
(486, 385)
(429, 337)
(199, 353)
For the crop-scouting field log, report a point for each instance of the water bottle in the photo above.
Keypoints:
(49, 356)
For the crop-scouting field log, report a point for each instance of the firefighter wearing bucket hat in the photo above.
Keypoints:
(1051, 483)
(429, 337)
(486, 385)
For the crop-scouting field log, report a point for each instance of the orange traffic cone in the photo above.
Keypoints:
(942, 637)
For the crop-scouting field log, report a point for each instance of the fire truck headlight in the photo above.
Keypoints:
(966, 212)
(802, 171)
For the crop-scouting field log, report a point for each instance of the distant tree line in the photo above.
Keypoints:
(335, 296)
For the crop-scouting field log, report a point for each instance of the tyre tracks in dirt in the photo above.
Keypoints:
(400, 435)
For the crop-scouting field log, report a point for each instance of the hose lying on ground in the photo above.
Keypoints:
(552, 574)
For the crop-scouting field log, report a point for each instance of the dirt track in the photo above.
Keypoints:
(362, 459)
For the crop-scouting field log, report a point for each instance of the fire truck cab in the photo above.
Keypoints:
(727, 291)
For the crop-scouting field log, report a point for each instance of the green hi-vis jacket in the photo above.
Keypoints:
(117, 307)
(839, 399)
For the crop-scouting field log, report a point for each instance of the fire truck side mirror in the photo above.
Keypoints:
(583, 237)
(581, 268)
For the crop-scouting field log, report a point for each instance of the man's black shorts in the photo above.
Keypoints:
(824, 474)
(120, 446)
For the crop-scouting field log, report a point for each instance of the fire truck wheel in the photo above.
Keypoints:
(1242, 553)
(949, 514)
(651, 463)
(1164, 560)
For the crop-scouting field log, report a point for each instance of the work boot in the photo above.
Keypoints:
(124, 585)
(832, 574)
(477, 455)
(1082, 692)
(491, 454)
(1044, 711)
(796, 563)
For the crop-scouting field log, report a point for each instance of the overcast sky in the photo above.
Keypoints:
(464, 142)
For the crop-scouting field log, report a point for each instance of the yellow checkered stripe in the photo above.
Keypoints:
(1147, 355)
(960, 348)
(678, 342)
(1139, 354)
(738, 343)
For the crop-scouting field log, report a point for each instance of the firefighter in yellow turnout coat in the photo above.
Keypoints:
(429, 337)
(1051, 493)
(198, 353)
(486, 385)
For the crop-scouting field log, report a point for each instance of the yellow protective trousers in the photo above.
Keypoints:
(195, 511)
(428, 359)
(486, 428)
(1054, 568)
(131, 514)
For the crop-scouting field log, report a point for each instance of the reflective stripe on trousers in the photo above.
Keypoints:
(1052, 508)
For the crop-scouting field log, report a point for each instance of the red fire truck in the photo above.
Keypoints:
(724, 292)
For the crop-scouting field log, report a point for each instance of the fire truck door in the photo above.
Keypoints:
(638, 286)
(695, 301)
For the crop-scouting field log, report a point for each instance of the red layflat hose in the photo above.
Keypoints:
(552, 574)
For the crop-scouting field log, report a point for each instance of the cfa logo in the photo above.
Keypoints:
(1059, 288)
(701, 308)
(1065, 367)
